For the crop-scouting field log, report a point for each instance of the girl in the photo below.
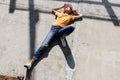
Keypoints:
(59, 28)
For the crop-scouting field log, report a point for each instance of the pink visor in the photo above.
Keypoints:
(68, 5)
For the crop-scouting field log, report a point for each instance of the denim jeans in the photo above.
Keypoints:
(55, 31)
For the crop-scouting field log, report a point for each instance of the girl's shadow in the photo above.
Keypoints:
(67, 53)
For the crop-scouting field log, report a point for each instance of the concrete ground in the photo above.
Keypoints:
(93, 50)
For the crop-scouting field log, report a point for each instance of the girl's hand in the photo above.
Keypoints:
(75, 12)
(65, 5)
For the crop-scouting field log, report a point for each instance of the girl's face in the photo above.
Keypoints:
(67, 10)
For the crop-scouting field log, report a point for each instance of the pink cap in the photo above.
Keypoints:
(68, 5)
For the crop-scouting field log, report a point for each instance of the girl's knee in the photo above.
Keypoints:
(44, 44)
(71, 29)
(71, 26)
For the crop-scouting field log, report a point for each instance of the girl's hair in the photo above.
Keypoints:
(73, 12)
(69, 5)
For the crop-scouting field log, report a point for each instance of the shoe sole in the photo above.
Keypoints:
(26, 66)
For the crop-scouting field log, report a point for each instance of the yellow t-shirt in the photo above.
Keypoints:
(63, 19)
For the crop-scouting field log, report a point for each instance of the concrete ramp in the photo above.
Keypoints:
(92, 52)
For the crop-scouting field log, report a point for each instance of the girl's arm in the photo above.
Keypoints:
(55, 9)
(78, 16)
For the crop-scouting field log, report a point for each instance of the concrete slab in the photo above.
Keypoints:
(94, 45)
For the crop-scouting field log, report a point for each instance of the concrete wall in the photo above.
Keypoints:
(93, 48)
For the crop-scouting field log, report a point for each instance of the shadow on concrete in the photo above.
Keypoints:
(12, 6)
(96, 18)
(67, 53)
(33, 19)
(89, 2)
(111, 12)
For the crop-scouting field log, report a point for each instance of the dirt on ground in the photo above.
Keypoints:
(2, 77)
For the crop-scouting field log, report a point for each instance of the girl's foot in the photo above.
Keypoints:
(28, 65)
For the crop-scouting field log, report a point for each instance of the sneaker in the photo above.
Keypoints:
(63, 42)
(28, 65)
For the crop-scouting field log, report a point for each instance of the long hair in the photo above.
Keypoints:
(73, 12)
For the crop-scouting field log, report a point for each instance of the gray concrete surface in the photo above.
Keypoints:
(94, 44)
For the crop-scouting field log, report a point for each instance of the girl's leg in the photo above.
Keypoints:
(65, 32)
(43, 47)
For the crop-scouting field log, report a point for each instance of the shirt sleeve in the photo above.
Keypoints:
(72, 18)
(56, 13)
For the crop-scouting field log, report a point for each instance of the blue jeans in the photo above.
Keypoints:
(55, 31)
